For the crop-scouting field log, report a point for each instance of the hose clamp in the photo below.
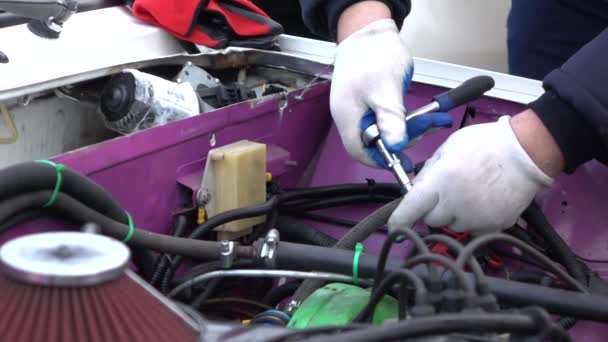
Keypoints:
(292, 307)
(271, 241)
(226, 254)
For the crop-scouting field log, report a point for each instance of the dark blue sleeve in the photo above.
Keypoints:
(321, 16)
(575, 105)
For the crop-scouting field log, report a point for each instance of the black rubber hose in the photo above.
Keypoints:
(24, 216)
(311, 205)
(212, 223)
(210, 290)
(371, 189)
(380, 291)
(336, 221)
(78, 212)
(541, 278)
(32, 176)
(565, 256)
(145, 260)
(438, 325)
(279, 293)
(298, 257)
(179, 227)
(360, 232)
(297, 231)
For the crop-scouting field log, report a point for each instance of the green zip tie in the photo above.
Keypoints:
(59, 168)
(356, 257)
(131, 228)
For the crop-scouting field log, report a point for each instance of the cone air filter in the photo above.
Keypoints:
(70, 286)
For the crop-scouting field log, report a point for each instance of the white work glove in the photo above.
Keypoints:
(480, 181)
(373, 69)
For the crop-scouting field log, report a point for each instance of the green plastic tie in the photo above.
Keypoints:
(356, 258)
(59, 168)
(131, 228)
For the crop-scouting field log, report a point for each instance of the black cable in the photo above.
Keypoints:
(199, 269)
(382, 257)
(210, 224)
(295, 230)
(524, 236)
(386, 247)
(532, 277)
(279, 293)
(520, 258)
(74, 210)
(298, 334)
(538, 222)
(23, 216)
(179, 227)
(586, 306)
(371, 189)
(233, 215)
(402, 300)
(210, 289)
(457, 247)
(336, 221)
(485, 239)
(236, 300)
(314, 204)
(593, 261)
(31, 177)
(438, 325)
(421, 293)
(564, 255)
(420, 247)
(370, 224)
(456, 269)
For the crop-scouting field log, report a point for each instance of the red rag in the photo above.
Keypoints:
(244, 18)
(180, 18)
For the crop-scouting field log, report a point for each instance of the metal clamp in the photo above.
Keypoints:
(292, 307)
(271, 241)
(227, 255)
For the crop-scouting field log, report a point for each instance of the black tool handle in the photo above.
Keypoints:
(467, 91)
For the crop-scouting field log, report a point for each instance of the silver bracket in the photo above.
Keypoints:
(292, 307)
(196, 76)
(226, 254)
(271, 242)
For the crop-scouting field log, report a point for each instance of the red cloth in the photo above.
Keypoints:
(212, 23)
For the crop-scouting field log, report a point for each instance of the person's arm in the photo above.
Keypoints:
(484, 176)
(538, 142)
(322, 16)
(575, 106)
(358, 15)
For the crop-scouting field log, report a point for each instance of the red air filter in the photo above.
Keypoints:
(70, 286)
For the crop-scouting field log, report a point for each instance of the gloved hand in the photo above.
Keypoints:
(373, 69)
(480, 180)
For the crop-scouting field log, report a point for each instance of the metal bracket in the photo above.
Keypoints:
(271, 241)
(196, 76)
(226, 254)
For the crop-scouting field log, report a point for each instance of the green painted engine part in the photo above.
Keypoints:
(339, 304)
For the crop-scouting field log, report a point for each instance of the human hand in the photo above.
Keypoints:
(481, 179)
(373, 70)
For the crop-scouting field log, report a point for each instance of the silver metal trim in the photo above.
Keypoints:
(507, 87)
(263, 273)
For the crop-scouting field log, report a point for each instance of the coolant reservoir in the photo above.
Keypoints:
(235, 177)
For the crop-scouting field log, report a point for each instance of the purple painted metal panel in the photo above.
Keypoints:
(142, 170)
